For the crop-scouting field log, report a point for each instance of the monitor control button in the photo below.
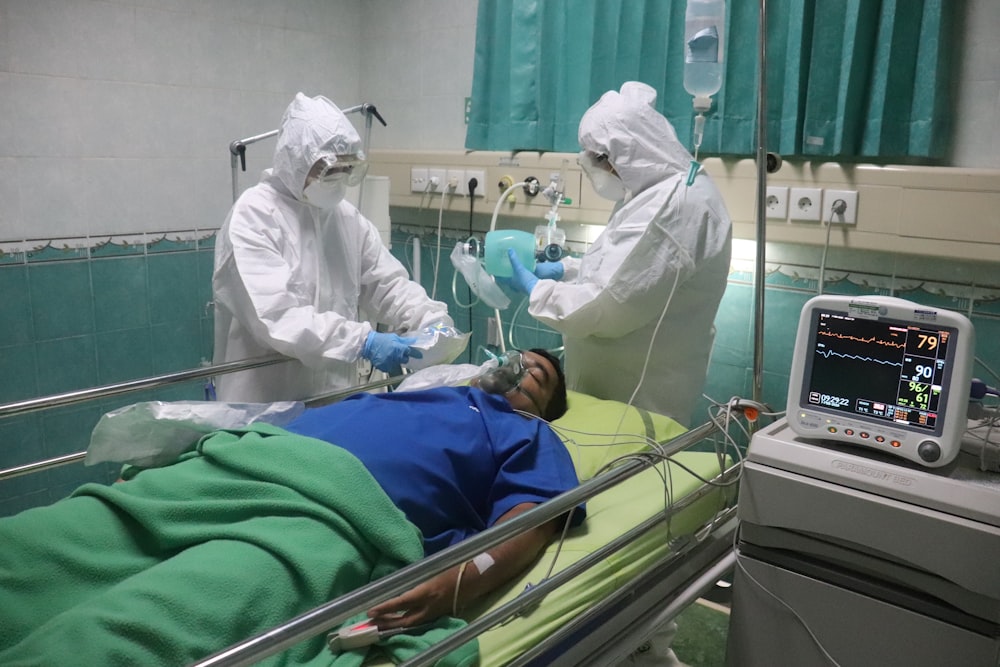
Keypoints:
(929, 451)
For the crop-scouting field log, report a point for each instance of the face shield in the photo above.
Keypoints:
(599, 171)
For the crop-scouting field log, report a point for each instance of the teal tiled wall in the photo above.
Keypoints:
(75, 320)
(83, 318)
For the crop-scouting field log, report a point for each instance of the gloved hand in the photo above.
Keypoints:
(523, 280)
(388, 352)
(550, 270)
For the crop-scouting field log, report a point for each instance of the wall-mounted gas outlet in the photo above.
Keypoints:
(805, 204)
(776, 202)
(846, 213)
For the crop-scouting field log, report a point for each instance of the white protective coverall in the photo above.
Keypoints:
(608, 303)
(297, 279)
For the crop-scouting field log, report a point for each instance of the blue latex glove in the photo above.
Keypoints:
(550, 270)
(388, 352)
(523, 280)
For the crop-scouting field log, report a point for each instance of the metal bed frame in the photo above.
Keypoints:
(627, 617)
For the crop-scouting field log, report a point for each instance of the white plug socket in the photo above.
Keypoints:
(849, 216)
(805, 204)
(438, 179)
(776, 202)
(455, 182)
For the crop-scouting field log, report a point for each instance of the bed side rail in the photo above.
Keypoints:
(156, 381)
(331, 614)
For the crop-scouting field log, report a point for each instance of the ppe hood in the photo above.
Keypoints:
(312, 127)
(640, 143)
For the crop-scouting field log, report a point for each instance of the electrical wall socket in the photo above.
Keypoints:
(455, 182)
(480, 176)
(850, 214)
(438, 178)
(776, 202)
(805, 204)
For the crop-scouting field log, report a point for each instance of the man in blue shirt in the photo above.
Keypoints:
(457, 460)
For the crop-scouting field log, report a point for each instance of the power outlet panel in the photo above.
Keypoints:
(849, 216)
(438, 178)
(805, 204)
(455, 182)
(480, 176)
(418, 179)
(776, 202)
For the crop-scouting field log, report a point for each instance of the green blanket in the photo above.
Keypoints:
(251, 529)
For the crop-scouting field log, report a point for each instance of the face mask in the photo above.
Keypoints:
(503, 377)
(326, 194)
(607, 185)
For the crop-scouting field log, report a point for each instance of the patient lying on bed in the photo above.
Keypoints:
(261, 524)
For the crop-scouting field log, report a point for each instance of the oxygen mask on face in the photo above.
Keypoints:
(502, 373)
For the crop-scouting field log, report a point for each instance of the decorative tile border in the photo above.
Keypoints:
(58, 249)
(93, 247)
(118, 246)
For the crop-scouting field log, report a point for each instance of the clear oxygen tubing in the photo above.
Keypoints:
(437, 256)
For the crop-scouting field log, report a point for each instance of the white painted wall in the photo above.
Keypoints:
(116, 115)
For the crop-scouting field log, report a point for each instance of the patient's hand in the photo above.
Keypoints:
(422, 604)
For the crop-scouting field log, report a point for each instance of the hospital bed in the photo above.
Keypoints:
(657, 536)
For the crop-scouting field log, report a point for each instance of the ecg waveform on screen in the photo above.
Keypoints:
(865, 343)
(873, 340)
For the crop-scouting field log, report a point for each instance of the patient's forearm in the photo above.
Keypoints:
(436, 596)
(509, 559)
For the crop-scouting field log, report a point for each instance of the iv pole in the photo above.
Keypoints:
(238, 147)
(762, 159)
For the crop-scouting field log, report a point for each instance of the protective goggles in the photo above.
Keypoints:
(351, 168)
(591, 161)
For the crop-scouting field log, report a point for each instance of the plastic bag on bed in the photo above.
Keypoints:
(444, 375)
(155, 433)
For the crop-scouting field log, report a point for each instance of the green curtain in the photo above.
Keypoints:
(850, 79)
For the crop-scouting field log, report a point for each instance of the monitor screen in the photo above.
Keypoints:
(884, 373)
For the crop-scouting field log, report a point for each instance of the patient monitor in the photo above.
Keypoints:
(882, 373)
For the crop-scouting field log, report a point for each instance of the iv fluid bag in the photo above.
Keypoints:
(704, 41)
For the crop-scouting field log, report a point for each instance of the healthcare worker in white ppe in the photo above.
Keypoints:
(298, 271)
(652, 281)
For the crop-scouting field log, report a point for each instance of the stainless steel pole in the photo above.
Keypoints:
(758, 278)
